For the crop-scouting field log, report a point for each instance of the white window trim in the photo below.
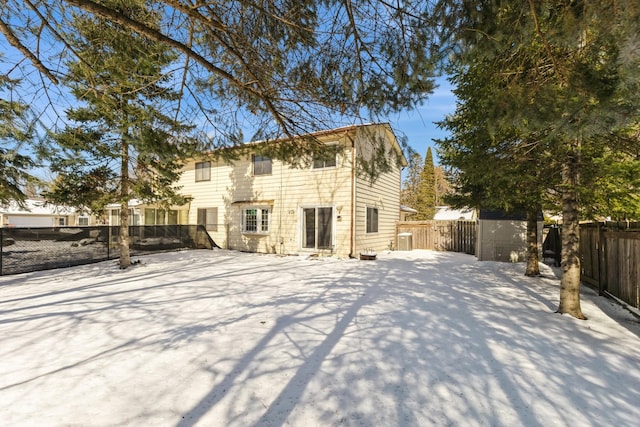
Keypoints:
(301, 229)
(259, 231)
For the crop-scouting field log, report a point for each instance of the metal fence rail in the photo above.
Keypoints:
(41, 248)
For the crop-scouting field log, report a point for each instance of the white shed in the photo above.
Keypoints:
(503, 236)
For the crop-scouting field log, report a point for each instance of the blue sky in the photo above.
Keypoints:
(418, 125)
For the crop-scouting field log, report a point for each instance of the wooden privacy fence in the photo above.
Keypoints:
(610, 253)
(453, 236)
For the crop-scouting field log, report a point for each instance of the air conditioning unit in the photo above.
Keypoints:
(405, 241)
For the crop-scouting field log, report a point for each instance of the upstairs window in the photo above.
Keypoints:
(327, 158)
(261, 165)
(203, 171)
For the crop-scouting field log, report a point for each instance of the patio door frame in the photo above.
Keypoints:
(303, 228)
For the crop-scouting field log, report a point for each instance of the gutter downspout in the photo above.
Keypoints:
(280, 215)
(353, 198)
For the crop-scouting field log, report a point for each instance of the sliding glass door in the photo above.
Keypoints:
(317, 228)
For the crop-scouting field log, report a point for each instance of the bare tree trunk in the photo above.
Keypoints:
(533, 257)
(125, 255)
(570, 282)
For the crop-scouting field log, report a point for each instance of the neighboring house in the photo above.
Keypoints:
(38, 213)
(261, 205)
(406, 213)
(148, 214)
(503, 237)
(446, 213)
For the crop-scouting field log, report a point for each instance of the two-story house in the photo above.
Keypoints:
(331, 207)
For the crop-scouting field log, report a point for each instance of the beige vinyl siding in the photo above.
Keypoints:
(383, 194)
(312, 188)
(286, 191)
(207, 194)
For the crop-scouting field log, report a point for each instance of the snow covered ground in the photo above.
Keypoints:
(221, 338)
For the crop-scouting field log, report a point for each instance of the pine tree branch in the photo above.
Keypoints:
(157, 36)
(545, 42)
(15, 42)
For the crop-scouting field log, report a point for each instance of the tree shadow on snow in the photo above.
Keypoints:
(435, 339)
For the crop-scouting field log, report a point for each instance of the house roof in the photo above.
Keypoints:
(407, 209)
(35, 207)
(447, 213)
(319, 133)
(254, 202)
(351, 128)
(133, 203)
(334, 131)
(502, 215)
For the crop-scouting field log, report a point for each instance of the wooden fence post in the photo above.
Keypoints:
(601, 242)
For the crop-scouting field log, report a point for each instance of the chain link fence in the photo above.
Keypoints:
(24, 250)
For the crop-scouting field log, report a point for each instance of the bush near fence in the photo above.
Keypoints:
(453, 236)
(24, 250)
(610, 254)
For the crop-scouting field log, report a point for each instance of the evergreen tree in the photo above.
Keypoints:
(615, 191)
(496, 167)
(409, 193)
(426, 197)
(562, 75)
(120, 144)
(412, 182)
(15, 131)
(443, 186)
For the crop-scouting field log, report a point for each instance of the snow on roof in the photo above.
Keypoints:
(446, 213)
(35, 207)
(404, 208)
(133, 203)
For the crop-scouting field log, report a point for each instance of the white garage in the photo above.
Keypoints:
(30, 221)
(36, 213)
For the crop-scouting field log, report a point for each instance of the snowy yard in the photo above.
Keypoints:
(220, 338)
